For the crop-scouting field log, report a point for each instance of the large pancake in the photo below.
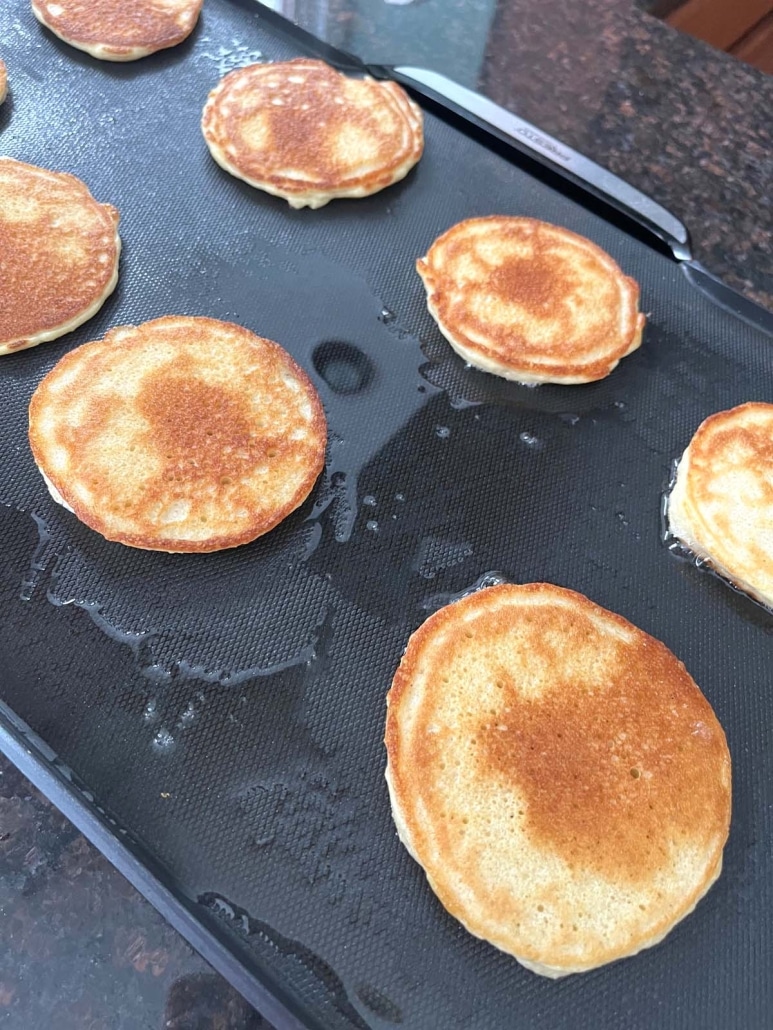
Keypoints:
(558, 774)
(721, 506)
(303, 131)
(181, 434)
(117, 30)
(3, 81)
(531, 301)
(59, 252)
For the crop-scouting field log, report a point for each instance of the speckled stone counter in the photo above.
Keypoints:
(80, 949)
(688, 125)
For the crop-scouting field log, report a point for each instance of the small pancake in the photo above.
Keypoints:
(557, 773)
(531, 301)
(3, 81)
(181, 434)
(721, 506)
(59, 252)
(303, 131)
(114, 30)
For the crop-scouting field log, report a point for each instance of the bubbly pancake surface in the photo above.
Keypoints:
(531, 301)
(117, 30)
(721, 506)
(59, 251)
(181, 434)
(303, 131)
(557, 773)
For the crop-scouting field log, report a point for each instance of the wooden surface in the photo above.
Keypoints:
(719, 22)
(756, 47)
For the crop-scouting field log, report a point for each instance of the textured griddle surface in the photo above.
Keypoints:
(261, 792)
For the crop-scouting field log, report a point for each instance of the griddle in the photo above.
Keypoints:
(214, 723)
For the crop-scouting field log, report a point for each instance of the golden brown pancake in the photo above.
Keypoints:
(303, 131)
(181, 434)
(117, 30)
(3, 81)
(531, 301)
(558, 774)
(59, 252)
(721, 506)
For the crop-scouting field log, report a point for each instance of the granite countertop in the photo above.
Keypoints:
(686, 124)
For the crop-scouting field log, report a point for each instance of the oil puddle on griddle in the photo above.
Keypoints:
(365, 366)
(435, 602)
(537, 411)
(670, 372)
(254, 610)
(207, 620)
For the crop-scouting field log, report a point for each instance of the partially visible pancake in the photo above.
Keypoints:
(531, 301)
(181, 434)
(59, 252)
(117, 30)
(303, 131)
(557, 773)
(3, 81)
(721, 506)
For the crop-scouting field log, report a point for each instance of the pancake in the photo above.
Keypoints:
(302, 131)
(3, 81)
(531, 301)
(59, 252)
(558, 774)
(113, 30)
(181, 434)
(721, 506)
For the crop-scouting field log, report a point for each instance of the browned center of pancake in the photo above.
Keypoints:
(532, 301)
(57, 249)
(201, 429)
(301, 124)
(323, 129)
(538, 283)
(118, 23)
(201, 432)
(181, 434)
(42, 286)
(611, 768)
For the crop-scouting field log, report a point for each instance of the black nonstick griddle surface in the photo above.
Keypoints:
(227, 710)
